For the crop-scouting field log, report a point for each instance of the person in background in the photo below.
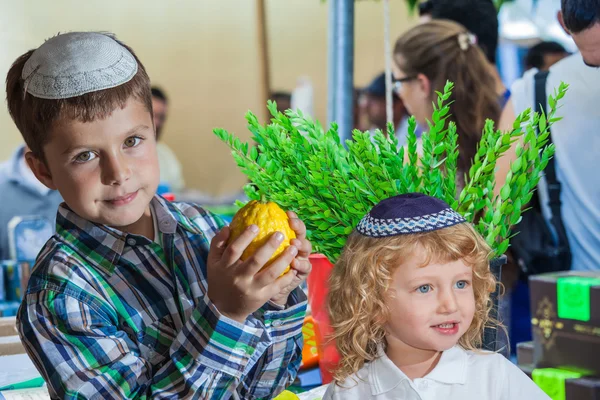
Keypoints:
(480, 17)
(577, 146)
(21, 194)
(283, 100)
(171, 174)
(373, 103)
(425, 8)
(575, 136)
(429, 55)
(544, 55)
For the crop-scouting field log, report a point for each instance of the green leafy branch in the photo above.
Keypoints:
(298, 165)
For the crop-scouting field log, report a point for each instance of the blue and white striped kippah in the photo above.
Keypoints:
(408, 213)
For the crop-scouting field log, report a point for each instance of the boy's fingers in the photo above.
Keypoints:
(263, 254)
(273, 272)
(304, 247)
(234, 251)
(303, 266)
(297, 225)
(219, 242)
(282, 283)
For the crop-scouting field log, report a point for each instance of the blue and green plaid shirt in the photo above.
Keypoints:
(109, 315)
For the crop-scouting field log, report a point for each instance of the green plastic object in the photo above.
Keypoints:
(573, 297)
(552, 381)
(29, 384)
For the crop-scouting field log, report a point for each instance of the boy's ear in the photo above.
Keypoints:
(40, 170)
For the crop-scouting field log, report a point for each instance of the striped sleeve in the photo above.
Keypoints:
(77, 347)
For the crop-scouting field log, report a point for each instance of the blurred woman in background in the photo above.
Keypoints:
(427, 56)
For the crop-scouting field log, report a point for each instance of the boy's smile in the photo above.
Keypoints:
(106, 170)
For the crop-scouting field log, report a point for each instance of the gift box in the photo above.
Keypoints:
(552, 381)
(583, 389)
(565, 311)
(525, 353)
(527, 369)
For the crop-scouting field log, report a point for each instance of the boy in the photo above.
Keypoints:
(127, 299)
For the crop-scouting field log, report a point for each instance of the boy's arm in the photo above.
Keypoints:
(74, 340)
(278, 366)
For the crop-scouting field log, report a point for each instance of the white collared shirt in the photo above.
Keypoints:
(460, 375)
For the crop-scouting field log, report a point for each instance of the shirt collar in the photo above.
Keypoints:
(452, 367)
(384, 375)
(102, 245)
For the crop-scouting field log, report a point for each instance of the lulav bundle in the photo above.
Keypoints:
(298, 165)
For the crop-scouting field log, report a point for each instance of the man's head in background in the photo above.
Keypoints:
(373, 103)
(480, 17)
(544, 54)
(160, 108)
(283, 100)
(581, 19)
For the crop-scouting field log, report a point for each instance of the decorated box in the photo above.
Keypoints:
(565, 311)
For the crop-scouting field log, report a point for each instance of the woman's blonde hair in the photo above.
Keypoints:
(363, 274)
(444, 50)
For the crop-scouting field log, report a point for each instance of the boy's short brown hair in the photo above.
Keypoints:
(36, 117)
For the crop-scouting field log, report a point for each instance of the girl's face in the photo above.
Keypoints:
(415, 92)
(431, 307)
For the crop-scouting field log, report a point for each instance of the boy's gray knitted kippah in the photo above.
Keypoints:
(72, 64)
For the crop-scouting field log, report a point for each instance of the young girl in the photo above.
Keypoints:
(408, 302)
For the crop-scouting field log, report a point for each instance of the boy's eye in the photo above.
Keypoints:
(461, 284)
(424, 288)
(85, 157)
(132, 141)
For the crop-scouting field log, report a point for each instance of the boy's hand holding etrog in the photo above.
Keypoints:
(249, 262)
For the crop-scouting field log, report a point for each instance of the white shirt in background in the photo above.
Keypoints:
(170, 168)
(577, 140)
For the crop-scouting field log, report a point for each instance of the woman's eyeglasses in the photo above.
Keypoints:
(397, 83)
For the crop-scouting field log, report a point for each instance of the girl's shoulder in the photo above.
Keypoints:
(487, 361)
(373, 379)
(494, 369)
(355, 386)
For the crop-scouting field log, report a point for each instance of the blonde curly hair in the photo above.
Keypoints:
(363, 274)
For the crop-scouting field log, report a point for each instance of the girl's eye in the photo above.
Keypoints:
(132, 141)
(461, 284)
(424, 288)
(85, 157)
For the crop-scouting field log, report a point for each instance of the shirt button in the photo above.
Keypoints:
(277, 323)
(131, 242)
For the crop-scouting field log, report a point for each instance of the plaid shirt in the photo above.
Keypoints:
(109, 315)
